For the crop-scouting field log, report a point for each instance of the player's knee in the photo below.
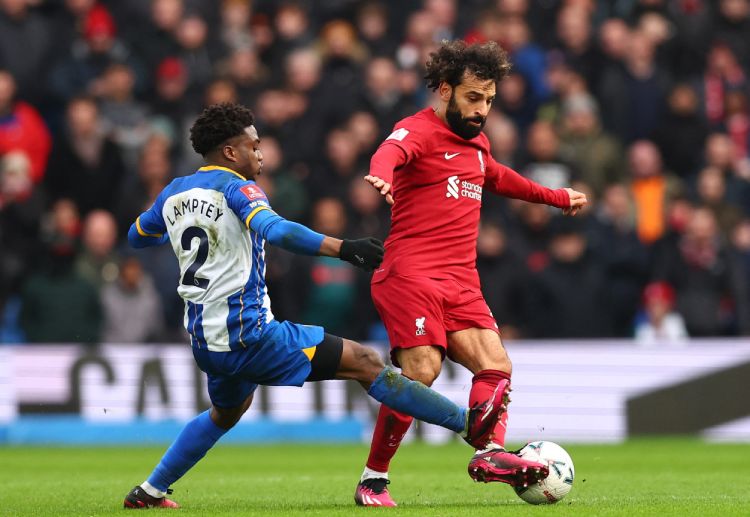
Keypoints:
(424, 372)
(226, 418)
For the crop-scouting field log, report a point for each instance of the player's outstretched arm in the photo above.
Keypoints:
(507, 182)
(365, 253)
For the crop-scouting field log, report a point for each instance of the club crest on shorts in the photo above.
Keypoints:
(420, 326)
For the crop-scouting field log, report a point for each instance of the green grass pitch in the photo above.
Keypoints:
(642, 477)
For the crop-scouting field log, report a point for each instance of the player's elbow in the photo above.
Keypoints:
(134, 238)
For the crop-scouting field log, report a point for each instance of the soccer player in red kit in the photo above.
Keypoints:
(433, 169)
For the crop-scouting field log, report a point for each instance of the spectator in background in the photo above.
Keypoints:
(544, 164)
(170, 101)
(25, 45)
(156, 39)
(420, 38)
(21, 208)
(568, 297)
(80, 71)
(248, 74)
(130, 299)
(682, 132)
(125, 118)
(708, 283)
(326, 292)
(343, 55)
(58, 304)
(635, 93)
(340, 165)
(22, 128)
(381, 94)
(655, 26)
(292, 31)
(615, 245)
(528, 58)
(503, 277)
(445, 14)
(504, 141)
(283, 185)
(67, 23)
(575, 39)
(372, 26)
(97, 260)
(711, 189)
(311, 108)
(235, 24)
(740, 246)
(652, 188)
(733, 27)
(532, 233)
(514, 100)
(197, 50)
(596, 155)
(614, 35)
(86, 166)
(564, 83)
(364, 128)
(661, 324)
(720, 152)
(722, 73)
(737, 122)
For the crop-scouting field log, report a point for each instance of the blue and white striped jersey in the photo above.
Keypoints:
(206, 217)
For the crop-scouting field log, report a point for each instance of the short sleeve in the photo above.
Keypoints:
(246, 199)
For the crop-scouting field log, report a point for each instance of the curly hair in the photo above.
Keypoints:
(217, 124)
(449, 62)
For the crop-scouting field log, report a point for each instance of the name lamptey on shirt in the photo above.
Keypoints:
(438, 179)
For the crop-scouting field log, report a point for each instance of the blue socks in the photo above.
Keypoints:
(415, 399)
(194, 441)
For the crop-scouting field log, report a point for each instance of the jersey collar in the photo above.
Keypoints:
(209, 168)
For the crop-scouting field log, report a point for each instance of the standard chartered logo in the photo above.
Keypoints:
(458, 189)
(452, 187)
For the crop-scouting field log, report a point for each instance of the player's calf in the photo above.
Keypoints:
(482, 418)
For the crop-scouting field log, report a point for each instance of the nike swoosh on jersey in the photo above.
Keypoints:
(450, 156)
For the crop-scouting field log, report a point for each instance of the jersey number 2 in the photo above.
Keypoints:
(188, 235)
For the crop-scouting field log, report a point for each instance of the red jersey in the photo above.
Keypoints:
(437, 184)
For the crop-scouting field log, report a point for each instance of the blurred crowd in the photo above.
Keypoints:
(642, 104)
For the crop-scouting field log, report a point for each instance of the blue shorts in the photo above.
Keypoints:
(280, 358)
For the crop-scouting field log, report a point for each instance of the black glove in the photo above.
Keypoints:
(365, 253)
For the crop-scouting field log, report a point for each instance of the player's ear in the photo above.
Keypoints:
(445, 90)
(229, 153)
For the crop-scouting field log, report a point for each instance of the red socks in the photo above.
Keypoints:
(482, 387)
(390, 429)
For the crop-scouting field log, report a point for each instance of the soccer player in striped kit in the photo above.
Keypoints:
(433, 169)
(217, 221)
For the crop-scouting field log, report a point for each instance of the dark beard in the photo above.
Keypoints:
(459, 124)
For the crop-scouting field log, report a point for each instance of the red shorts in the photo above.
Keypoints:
(418, 311)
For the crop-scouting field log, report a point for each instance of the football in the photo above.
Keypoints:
(561, 473)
